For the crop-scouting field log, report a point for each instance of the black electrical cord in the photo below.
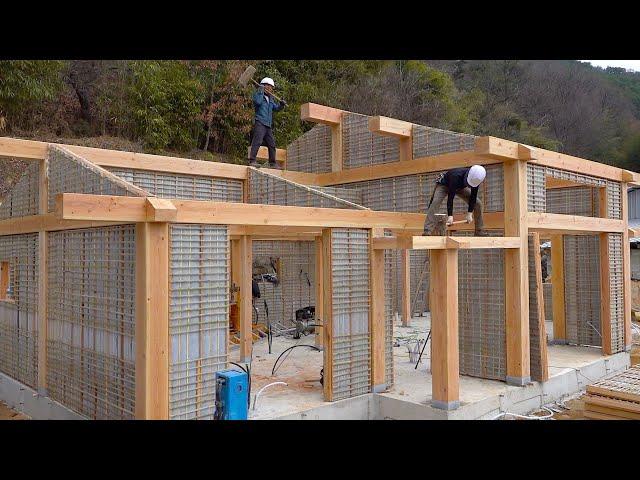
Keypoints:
(246, 369)
(291, 348)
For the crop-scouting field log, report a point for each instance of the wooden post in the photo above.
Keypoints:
(605, 279)
(516, 274)
(557, 282)
(336, 147)
(152, 321)
(43, 277)
(327, 321)
(377, 317)
(319, 292)
(443, 303)
(406, 288)
(406, 149)
(243, 255)
(542, 332)
(626, 266)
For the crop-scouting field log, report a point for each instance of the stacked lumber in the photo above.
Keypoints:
(616, 398)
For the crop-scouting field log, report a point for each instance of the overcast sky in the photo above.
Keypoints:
(628, 64)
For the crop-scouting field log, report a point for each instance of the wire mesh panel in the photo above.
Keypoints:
(616, 289)
(537, 328)
(351, 292)
(389, 311)
(190, 187)
(536, 188)
(348, 194)
(22, 199)
(575, 177)
(581, 201)
(269, 189)
(582, 289)
(91, 321)
(69, 173)
(614, 200)
(429, 141)
(548, 302)
(18, 316)
(481, 313)
(198, 317)
(361, 147)
(311, 152)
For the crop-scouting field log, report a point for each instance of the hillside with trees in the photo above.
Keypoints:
(196, 108)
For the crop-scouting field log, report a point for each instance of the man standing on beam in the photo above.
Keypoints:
(262, 133)
(464, 183)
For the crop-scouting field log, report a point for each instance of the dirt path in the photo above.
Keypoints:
(7, 413)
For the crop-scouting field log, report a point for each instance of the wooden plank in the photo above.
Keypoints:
(319, 279)
(621, 414)
(552, 182)
(327, 331)
(516, 274)
(390, 127)
(43, 276)
(160, 210)
(245, 301)
(600, 416)
(263, 154)
(406, 149)
(4, 280)
(612, 403)
(480, 242)
(596, 390)
(626, 268)
(443, 304)
(312, 112)
(541, 331)
(152, 321)
(392, 243)
(497, 148)
(557, 280)
(573, 223)
(406, 288)
(377, 318)
(47, 222)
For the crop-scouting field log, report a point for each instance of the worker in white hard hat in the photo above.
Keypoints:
(262, 133)
(464, 183)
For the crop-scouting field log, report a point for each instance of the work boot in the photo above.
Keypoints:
(254, 164)
(481, 233)
(273, 165)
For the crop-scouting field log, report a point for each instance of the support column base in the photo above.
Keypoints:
(445, 405)
(518, 381)
(379, 388)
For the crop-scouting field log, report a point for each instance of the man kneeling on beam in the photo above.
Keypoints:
(464, 183)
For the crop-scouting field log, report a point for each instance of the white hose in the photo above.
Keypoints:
(525, 417)
(255, 399)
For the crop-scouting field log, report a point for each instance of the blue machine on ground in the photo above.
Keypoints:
(232, 395)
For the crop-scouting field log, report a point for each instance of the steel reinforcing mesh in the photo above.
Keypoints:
(536, 326)
(91, 321)
(582, 289)
(536, 188)
(389, 311)
(18, 320)
(22, 199)
(351, 297)
(428, 141)
(581, 201)
(361, 147)
(189, 187)
(198, 317)
(616, 289)
(481, 312)
(296, 280)
(548, 302)
(614, 200)
(68, 174)
(311, 152)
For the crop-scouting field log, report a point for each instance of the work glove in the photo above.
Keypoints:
(283, 103)
(449, 221)
(469, 217)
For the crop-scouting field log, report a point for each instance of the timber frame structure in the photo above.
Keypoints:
(155, 231)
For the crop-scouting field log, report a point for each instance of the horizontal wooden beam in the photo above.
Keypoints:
(390, 127)
(440, 243)
(500, 148)
(47, 223)
(263, 154)
(552, 183)
(76, 206)
(312, 112)
(273, 231)
(557, 223)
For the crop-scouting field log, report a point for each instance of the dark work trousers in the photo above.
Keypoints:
(261, 135)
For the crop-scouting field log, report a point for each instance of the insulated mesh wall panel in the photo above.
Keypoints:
(296, 279)
(69, 173)
(198, 317)
(270, 189)
(581, 201)
(582, 289)
(614, 200)
(575, 177)
(389, 310)
(351, 346)
(348, 194)
(361, 147)
(548, 302)
(18, 319)
(190, 187)
(536, 188)
(91, 321)
(22, 199)
(481, 313)
(429, 141)
(311, 152)
(537, 329)
(616, 288)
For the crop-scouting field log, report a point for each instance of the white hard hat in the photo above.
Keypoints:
(268, 81)
(476, 175)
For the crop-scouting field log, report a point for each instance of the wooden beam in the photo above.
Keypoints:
(43, 277)
(539, 293)
(160, 210)
(552, 182)
(516, 274)
(480, 242)
(562, 161)
(336, 148)
(377, 318)
(440, 243)
(48, 222)
(626, 267)
(605, 286)
(152, 321)
(573, 223)
(245, 301)
(4, 279)
(392, 243)
(312, 112)
(263, 154)
(406, 287)
(443, 304)
(390, 127)
(319, 278)
(327, 321)
(498, 148)
(557, 281)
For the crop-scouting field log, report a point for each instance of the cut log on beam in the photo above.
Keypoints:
(390, 127)
(312, 112)
(161, 210)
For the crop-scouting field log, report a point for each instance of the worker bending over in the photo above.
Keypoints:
(262, 133)
(463, 182)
